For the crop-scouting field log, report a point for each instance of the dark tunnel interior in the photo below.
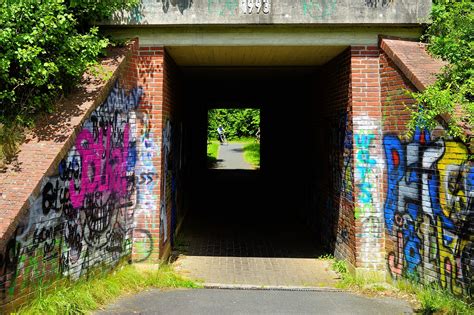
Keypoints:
(269, 205)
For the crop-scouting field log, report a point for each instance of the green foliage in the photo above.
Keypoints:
(212, 153)
(431, 298)
(340, 267)
(237, 123)
(252, 154)
(450, 37)
(45, 47)
(87, 295)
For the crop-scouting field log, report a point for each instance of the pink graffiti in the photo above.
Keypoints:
(396, 265)
(96, 178)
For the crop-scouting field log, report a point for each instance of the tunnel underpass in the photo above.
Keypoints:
(271, 212)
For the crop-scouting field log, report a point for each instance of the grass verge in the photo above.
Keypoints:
(251, 150)
(212, 152)
(252, 154)
(84, 296)
(426, 299)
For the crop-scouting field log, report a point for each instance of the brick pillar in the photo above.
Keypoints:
(368, 158)
(148, 62)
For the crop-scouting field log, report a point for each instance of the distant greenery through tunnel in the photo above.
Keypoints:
(235, 125)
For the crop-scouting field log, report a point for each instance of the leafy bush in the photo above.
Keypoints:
(450, 37)
(45, 47)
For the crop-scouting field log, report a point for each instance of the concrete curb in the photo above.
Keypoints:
(268, 287)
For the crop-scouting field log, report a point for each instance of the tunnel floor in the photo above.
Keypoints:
(224, 250)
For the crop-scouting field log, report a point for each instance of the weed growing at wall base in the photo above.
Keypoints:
(87, 295)
(428, 299)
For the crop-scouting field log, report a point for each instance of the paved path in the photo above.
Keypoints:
(231, 157)
(265, 253)
(218, 301)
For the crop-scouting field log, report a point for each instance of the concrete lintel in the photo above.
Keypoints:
(224, 12)
(261, 35)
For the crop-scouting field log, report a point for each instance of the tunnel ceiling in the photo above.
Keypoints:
(254, 55)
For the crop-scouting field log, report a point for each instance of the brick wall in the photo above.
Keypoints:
(368, 157)
(334, 173)
(159, 168)
(171, 206)
(147, 68)
(82, 218)
(429, 193)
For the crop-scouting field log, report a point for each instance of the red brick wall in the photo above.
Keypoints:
(334, 175)
(159, 165)
(367, 154)
(148, 69)
(429, 193)
(171, 205)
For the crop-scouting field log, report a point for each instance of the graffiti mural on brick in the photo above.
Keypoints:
(83, 214)
(429, 210)
(146, 174)
(182, 5)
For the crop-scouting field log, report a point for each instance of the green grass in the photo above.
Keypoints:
(212, 152)
(251, 150)
(252, 154)
(84, 296)
(428, 299)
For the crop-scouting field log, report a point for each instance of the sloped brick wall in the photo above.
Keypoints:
(81, 218)
(429, 195)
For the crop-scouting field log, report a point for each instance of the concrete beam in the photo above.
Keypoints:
(261, 35)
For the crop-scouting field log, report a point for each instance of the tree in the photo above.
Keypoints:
(45, 47)
(450, 37)
(237, 123)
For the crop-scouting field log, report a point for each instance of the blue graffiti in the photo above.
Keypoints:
(364, 166)
(395, 168)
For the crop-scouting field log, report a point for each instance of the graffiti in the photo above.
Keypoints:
(319, 8)
(371, 227)
(223, 7)
(166, 183)
(83, 214)
(145, 169)
(99, 175)
(143, 243)
(367, 210)
(257, 6)
(340, 157)
(182, 5)
(378, 3)
(429, 210)
(364, 165)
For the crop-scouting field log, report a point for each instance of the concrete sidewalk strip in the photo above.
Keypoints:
(217, 301)
(223, 286)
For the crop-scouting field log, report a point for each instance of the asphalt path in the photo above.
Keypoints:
(237, 301)
(231, 157)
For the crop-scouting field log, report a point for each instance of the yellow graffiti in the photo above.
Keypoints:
(453, 200)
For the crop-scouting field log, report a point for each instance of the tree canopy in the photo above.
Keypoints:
(45, 47)
(237, 123)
